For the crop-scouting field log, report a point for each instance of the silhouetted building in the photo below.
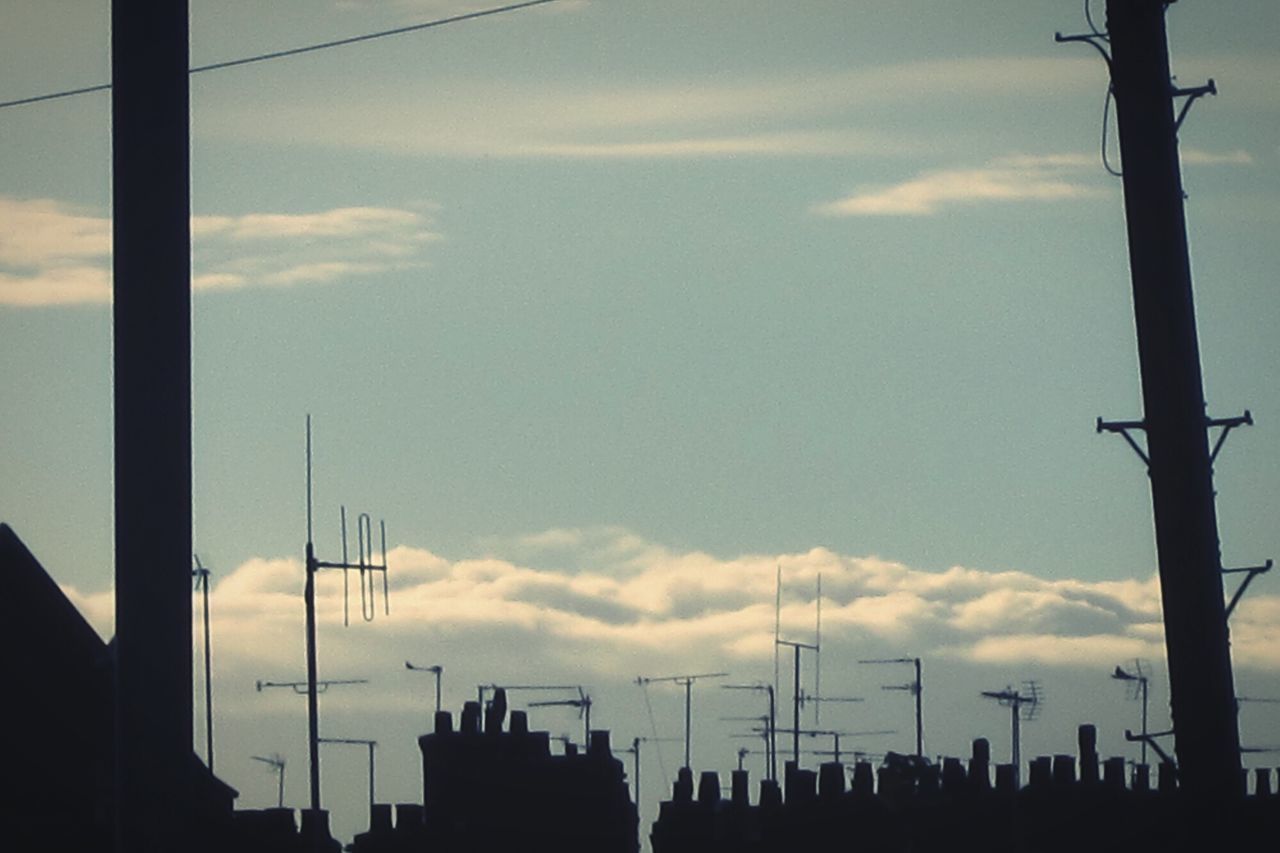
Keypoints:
(1071, 804)
(56, 790)
(486, 790)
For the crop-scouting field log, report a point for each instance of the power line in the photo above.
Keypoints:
(294, 51)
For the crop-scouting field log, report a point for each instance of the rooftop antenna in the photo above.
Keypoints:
(482, 689)
(634, 751)
(771, 735)
(836, 735)
(1023, 704)
(277, 762)
(762, 731)
(435, 669)
(777, 629)
(371, 745)
(300, 687)
(367, 567)
(1139, 683)
(687, 681)
(797, 696)
(201, 574)
(916, 689)
(582, 703)
(817, 654)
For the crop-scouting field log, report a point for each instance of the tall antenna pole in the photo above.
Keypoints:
(365, 563)
(796, 697)
(919, 691)
(687, 681)
(817, 655)
(777, 627)
(202, 579)
(309, 602)
(1202, 694)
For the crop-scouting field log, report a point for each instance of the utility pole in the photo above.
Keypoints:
(151, 337)
(1202, 694)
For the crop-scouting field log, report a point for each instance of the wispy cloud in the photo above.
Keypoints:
(1011, 179)
(53, 254)
(817, 113)
(1014, 179)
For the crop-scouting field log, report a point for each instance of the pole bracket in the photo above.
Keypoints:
(1094, 40)
(1191, 95)
(1227, 425)
(1123, 427)
(1251, 572)
(1150, 740)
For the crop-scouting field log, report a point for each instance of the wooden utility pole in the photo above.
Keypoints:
(151, 314)
(1202, 694)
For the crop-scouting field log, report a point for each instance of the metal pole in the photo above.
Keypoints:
(919, 712)
(635, 759)
(1143, 684)
(1201, 689)
(313, 699)
(439, 672)
(208, 676)
(688, 699)
(1014, 707)
(772, 743)
(151, 338)
(309, 605)
(280, 787)
(795, 711)
(372, 746)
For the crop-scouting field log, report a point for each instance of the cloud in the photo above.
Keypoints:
(819, 112)
(1200, 157)
(624, 599)
(1054, 177)
(52, 253)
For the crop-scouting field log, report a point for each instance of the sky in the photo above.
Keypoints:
(612, 309)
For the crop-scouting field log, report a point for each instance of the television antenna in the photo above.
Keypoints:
(915, 688)
(687, 681)
(371, 745)
(582, 703)
(836, 735)
(797, 695)
(367, 568)
(300, 687)
(1023, 704)
(435, 669)
(1139, 684)
(277, 762)
(816, 647)
(771, 733)
(201, 574)
(634, 751)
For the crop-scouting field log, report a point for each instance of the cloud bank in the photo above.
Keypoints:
(52, 253)
(613, 602)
